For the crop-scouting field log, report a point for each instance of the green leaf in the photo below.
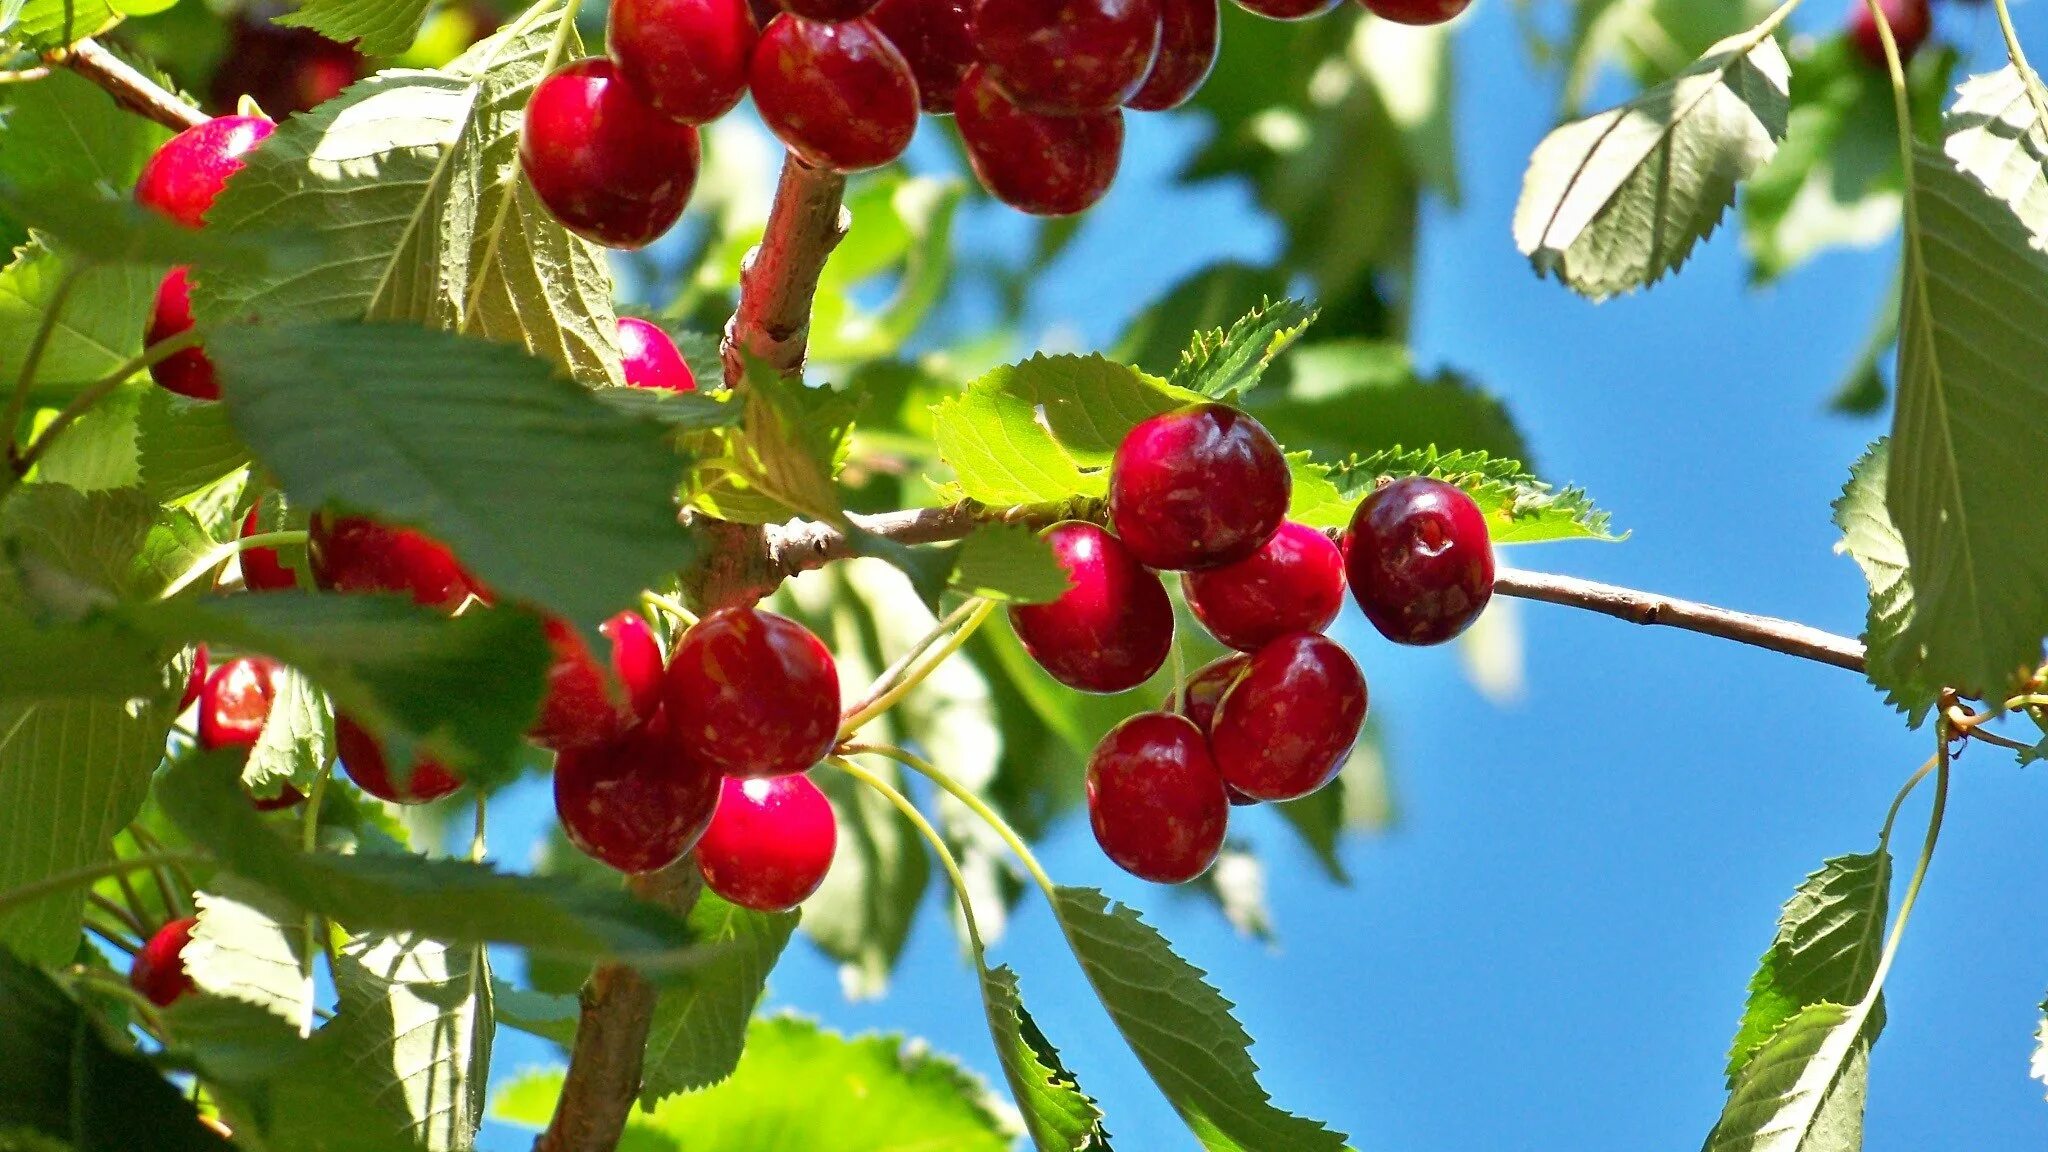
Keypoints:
(1225, 365)
(297, 740)
(185, 446)
(1059, 1116)
(98, 453)
(547, 1015)
(1997, 134)
(683, 411)
(1613, 202)
(1870, 539)
(1210, 299)
(415, 1025)
(700, 1025)
(64, 134)
(1830, 936)
(99, 330)
(380, 27)
(40, 25)
(1000, 452)
(248, 946)
(1009, 562)
(1863, 390)
(116, 230)
(1969, 465)
(1803, 1089)
(1520, 509)
(1181, 1030)
(792, 441)
(1351, 396)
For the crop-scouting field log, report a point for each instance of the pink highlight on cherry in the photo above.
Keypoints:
(770, 843)
(687, 58)
(1112, 628)
(636, 803)
(1155, 799)
(235, 702)
(1293, 583)
(608, 165)
(1043, 165)
(839, 95)
(158, 971)
(1419, 560)
(651, 359)
(1068, 57)
(363, 759)
(752, 694)
(1283, 730)
(186, 372)
(184, 176)
(1197, 487)
(580, 708)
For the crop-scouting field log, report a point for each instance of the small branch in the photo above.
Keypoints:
(129, 88)
(780, 276)
(801, 545)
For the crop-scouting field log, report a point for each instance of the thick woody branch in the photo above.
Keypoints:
(780, 276)
(129, 88)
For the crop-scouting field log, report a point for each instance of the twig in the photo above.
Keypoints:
(129, 88)
(780, 276)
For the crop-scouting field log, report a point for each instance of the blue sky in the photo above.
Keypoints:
(1551, 948)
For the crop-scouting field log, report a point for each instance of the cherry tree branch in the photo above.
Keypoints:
(780, 276)
(129, 88)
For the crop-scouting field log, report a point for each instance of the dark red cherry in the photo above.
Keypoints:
(770, 843)
(287, 797)
(753, 693)
(187, 372)
(1288, 9)
(936, 37)
(187, 173)
(1911, 21)
(1111, 629)
(1191, 32)
(688, 58)
(1155, 799)
(235, 702)
(363, 759)
(1416, 11)
(1419, 560)
(839, 95)
(262, 571)
(1197, 487)
(828, 11)
(1293, 583)
(194, 680)
(1067, 57)
(1284, 729)
(1206, 687)
(158, 971)
(284, 70)
(1044, 165)
(637, 802)
(651, 359)
(579, 710)
(609, 166)
(355, 554)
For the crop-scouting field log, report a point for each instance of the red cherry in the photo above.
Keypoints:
(1067, 57)
(1293, 583)
(1288, 9)
(651, 359)
(638, 802)
(1416, 11)
(579, 710)
(187, 173)
(194, 680)
(828, 11)
(1191, 33)
(1111, 629)
(1155, 799)
(839, 95)
(286, 798)
(363, 760)
(1197, 487)
(607, 165)
(770, 843)
(187, 372)
(235, 702)
(158, 971)
(1911, 21)
(1419, 560)
(936, 37)
(1283, 730)
(262, 571)
(1206, 687)
(688, 58)
(753, 693)
(1044, 165)
(284, 70)
(354, 554)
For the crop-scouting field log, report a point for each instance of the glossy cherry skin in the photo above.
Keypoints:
(1156, 800)
(158, 971)
(770, 843)
(355, 554)
(1911, 21)
(828, 11)
(1068, 57)
(1288, 9)
(195, 681)
(1284, 729)
(651, 359)
(636, 803)
(1111, 629)
(1197, 487)
(262, 571)
(363, 760)
(839, 95)
(187, 173)
(1206, 687)
(1293, 583)
(688, 58)
(936, 38)
(235, 702)
(1416, 11)
(187, 372)
(1419, 560)
(579, 710)
(609, 166)
(752, 693)
(1044, 165)
(1191, 34)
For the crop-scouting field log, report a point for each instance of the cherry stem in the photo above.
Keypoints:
(1934, 819)
(129, 88)
(83, 402)
(113, 936)
(315, 938)
(175, 894)
(223, 553)
(122, 916)
(919, 663)
(668, 607)
(65, 881)
(932, 837)
(975, 804)
(107, 982)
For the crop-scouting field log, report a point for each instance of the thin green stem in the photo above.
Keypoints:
(476, 836)
(225, 552)
(315, 938)
(113, 985)
(17, 403)
(959, 792)
(1902, 112)
(98, 391)
(64, 881)
(1180, 674)
(121, 916)
(669, 607)
(925, 664)
(179, 881)
(931, 835)
(134, 898)
(1934, 818)
(113, 936)
(894, 673)
(2018, 56)
(559, 48)
(1891, 816)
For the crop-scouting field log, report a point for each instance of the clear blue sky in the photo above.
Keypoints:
(1551, 949)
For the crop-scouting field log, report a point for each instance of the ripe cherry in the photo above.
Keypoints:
(1206, 687)
(1191, 33)
(1155, 799)
(235, 702)
(609, 166)
(355, 554)
(187, 372)
(651, 359)
(839, 95)
(579, 710)
(363, 760)
(637, 802)
(1197, 487)
(1288, 9)
(284, 70)
(1911, 21)
(1293, 583)
(1067, 57)
(936, 38)
(753, 694)
(184, 176)
(195, 679)
(1044, 165)
(158, 971)
(262, 571)
(1416, 11)
(1283, 730)
(770, 843)
(1419, 560)
(1111, 629)
(828, 11)
(688, 58)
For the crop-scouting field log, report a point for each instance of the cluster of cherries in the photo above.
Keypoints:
(1204, 491)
